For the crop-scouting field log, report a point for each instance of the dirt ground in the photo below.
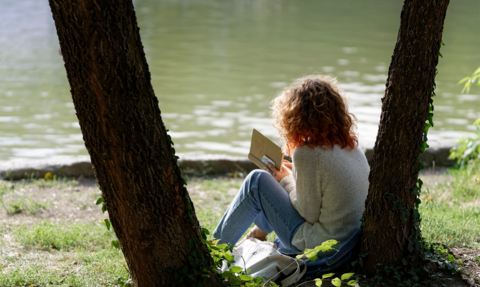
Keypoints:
(76, 203)
(58, 203)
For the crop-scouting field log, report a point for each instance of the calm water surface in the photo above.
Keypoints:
(216, 65)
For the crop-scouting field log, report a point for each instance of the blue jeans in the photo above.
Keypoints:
(263, 201)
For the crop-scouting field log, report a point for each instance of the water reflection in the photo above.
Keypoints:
(216, 65)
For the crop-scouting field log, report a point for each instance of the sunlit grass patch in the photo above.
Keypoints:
(464, 187)
(451, 225)
(451, 210)
(51, 254)
(56, 268)
(48, 235)
(21, 204)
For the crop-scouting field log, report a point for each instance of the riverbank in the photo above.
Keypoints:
(212, 165)
(52, 233)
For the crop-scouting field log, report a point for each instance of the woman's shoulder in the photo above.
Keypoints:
(308, 151)
(327, 153)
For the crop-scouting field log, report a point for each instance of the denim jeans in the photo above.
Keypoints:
(263, 201)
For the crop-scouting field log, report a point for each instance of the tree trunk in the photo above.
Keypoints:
(141, 184)
(391, 224)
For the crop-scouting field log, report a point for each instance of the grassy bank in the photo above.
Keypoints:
(52, 233)
(451, 208)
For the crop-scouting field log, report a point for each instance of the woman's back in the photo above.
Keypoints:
(331, 187)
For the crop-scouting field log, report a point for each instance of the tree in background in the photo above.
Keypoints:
(391, 225)
(148, 205)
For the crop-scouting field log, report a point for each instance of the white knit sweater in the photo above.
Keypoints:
(328, 188)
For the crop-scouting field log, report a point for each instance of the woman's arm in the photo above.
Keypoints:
(284, 177)
(307, 199)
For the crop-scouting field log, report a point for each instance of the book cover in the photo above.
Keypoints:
(263, 150)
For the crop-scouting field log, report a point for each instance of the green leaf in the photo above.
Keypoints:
(327, 275)
(440, 54)
(477, 122)
(477, 71)
(236, 269)
(312, 254)
(222, 246)
(245, 277)
(326, 245)
(318, 282)
(417, 201)
(116, 244)
(441, 42)
(467, 86)
(229, 257)
(226, 274)
(427, 127)
(430, 119)
(107, 223)
(424, 146)
(104, 208)
(100, 200)
(347, 275)
(337, 282)
(191, 243)
(464, 80)
(352, 282)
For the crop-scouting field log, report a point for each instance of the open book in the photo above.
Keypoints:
(263, 150)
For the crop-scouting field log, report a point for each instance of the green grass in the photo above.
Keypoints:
(47, 235)
(27, 205)
(451, 210)
(451, 225)
(76, 254)
(76, 268)
(80, 254)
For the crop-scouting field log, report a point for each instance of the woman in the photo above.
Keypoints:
(321, 194)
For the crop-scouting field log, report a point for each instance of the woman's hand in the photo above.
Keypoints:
(287, 164)
(277, 174)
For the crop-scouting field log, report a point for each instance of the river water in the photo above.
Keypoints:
(216, 65)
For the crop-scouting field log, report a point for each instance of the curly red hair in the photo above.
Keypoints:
(312, 112)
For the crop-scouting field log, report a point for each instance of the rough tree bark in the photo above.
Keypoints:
(127, 141)
(405, 107)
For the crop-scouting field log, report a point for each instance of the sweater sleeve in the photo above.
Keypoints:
(288, 183)
(307, 198)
